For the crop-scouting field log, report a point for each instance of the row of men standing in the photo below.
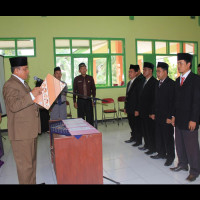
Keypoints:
(155, 107)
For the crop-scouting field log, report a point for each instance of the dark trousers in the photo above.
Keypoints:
(85, 109)
(148, 130)
(187, 148)
(131, 121)
(165, 140)
(138, 127)
(44, 119)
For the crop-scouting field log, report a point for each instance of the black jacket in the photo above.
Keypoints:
(187, 101)
(132, 96)
(147, 98)
(164, 100)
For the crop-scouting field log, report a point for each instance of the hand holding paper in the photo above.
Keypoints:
(51, 88)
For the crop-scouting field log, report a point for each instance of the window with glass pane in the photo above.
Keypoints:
(160, 47)
(98, 54)
(144, 47)
(100, 70)
(117, 70)
(7, 47)
(174, 47)
(100, 46)
(116, 46)
(62, 46)
(189, 48)
(140, 62)
(25, 48)
(64, 62)
(80, 46)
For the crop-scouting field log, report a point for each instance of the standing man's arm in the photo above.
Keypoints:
(194, 117)
(93, 89)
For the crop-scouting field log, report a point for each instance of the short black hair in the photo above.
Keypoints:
(81, 65)
(57, 69)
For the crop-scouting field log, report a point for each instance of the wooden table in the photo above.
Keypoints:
(78, 161)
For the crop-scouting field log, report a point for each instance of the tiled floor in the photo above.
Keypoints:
(121, 161)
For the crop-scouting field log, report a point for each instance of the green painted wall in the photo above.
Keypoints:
(45, 28)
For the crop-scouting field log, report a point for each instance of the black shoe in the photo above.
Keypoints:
(142, 148)
(158, 156)
(136, 144)
(129, 141)
(191, 177)
(179, 168)
(149, 152)
(168, 162)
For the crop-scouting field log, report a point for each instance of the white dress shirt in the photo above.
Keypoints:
(185, 75)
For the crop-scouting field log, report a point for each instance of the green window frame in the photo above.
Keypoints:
(102, 57)
(165, 49)
(10, 47)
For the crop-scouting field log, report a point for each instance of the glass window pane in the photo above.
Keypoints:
(140, 61)
(77, 61)
(7, 47)
(64, 63)
(25, 48)
(160, 47)
(116, 46)
(80, 46)
(174, 47)
(7, 44)
(99, 70)
(144, 47)
(62, 46)
(117, 70)
(189, 48)
(100, 46)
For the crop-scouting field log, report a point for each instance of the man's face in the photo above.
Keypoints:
(183, 67)
(58, 75)
(161, 73)
(83, 70)
(147, 72)
(198, 70)
(132, 74)
(22, 72)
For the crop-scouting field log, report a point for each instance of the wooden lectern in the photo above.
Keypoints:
(77, 160)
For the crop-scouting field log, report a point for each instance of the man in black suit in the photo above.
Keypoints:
(138, 123)
(164, 106)
(186, 117)
(132, 100)
(146, 108)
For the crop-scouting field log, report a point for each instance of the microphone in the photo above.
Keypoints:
(37, 79)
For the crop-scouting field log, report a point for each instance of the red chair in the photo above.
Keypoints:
(108, 107)
(120, 100)
(69, 113)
